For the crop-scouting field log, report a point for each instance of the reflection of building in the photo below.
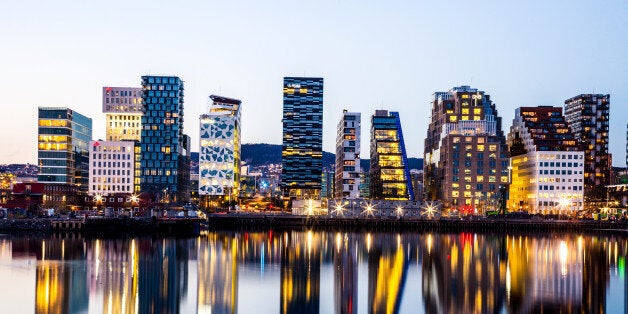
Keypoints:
(165, 160)
(546, 163)
(466, 158)
(389, 172)
(218, 275)
(112, 167)
(61, 286)
(300, 274)
(346, 275)
(461, 274)
(219, 156)
(588, 117)
(302, 152)
(347, 177)
(63, 141)
(160, 275)
(123, 111)
(388, 268)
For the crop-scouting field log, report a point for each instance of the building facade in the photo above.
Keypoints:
(389, 172)
(122, 107)
(588, 118)
(165, 159)
(219, 156)
(302, 149)
(63, 139)
(546, 163)
(466, 157)
(112, 167)
(347, 170)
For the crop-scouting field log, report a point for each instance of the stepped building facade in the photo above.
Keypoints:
(546, 162)
(466, 157)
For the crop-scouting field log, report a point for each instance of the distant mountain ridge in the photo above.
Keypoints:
(263, 154)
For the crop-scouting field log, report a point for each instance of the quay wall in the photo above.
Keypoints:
(261, 222)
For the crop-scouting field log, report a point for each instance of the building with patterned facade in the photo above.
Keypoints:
(112, 167)
(302, 149)
(219, 156)
(347, 176)
(466, 157)
(122, 107)
(165, 157)
(389, 172)
(588, 117)
(63, 139)
(546, 163)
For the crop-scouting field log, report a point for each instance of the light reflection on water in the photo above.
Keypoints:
(312, 272)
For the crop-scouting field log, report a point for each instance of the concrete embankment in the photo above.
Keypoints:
(263, 222)
(100, 225)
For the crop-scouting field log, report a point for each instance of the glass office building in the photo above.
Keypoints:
(389, 172)
(165, 158)
(302, 150)
(63, 139)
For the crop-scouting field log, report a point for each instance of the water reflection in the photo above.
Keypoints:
(312, 272)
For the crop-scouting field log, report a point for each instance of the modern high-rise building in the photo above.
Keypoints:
(63, 139)
(466, 157)
(347, 176)
(546, 162)
(588, 117)
(626, 145)
(389, 172)
(219, 156)
(123, 111)
(112, 167)
(165, 158)
(302, 150)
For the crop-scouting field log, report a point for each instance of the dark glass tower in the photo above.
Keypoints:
(390, 175)
(588, 118)
(302, 150)
(165, 159)
(63, 139)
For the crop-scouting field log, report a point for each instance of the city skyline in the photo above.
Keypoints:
(523, 55)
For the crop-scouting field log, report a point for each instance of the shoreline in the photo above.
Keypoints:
(105, 226)
(292, 222)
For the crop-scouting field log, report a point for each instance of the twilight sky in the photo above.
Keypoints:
(373, 55)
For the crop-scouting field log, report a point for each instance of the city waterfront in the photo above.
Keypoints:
(314, 272)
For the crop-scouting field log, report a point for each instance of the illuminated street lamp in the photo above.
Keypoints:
(399, 211)
(369, 210)
(338, 209)
(429, 210)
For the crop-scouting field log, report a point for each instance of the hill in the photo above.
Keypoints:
(263, 154)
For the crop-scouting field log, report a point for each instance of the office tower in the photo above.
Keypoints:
(466, 158)
(547, 164)
(588, 116)
(63, 140)
(389, 172)
(219, 157)
(327, 184)
(347, 177)
(112, 167)
(123, 111)
(165, 160)
(302, 150)
(626, 145)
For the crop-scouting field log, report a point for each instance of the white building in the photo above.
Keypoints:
(347, 175)
(123, 111)
(111, 167)
(219, 156)
(547, 170)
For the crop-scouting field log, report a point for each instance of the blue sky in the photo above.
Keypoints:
(373, 55)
